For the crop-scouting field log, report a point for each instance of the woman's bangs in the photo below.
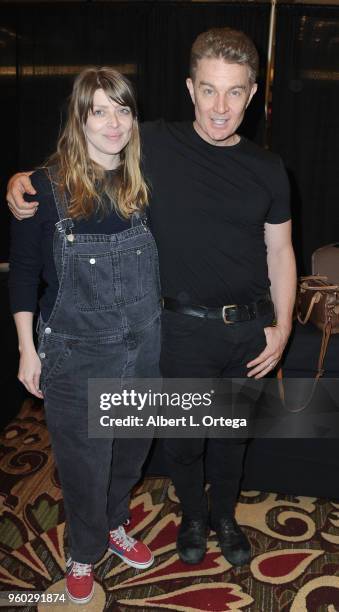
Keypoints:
(120, 94)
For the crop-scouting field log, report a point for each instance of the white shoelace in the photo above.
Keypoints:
(79, 569)
(122, 539)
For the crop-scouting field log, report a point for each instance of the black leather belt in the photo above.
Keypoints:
(231, 313)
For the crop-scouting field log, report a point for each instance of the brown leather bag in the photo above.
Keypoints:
(318, 296)
(318, 302)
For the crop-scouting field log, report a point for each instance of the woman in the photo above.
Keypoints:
(99, 312)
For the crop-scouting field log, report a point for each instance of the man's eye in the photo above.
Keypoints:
(207, 91)
(235, 92)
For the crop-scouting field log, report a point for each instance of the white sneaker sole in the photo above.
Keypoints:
(76, 600)
(132, 563)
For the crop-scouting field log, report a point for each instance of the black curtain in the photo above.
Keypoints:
(168, 33)
(151, 41)
(46, 43)
(43, 44)
(305, 129)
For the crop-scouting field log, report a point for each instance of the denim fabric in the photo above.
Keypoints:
(105, 324)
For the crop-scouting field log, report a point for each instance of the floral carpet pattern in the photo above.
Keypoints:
(294, 540)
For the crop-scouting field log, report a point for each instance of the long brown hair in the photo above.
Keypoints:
(83, 178)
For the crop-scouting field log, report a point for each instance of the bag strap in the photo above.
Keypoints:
(320, 371)
(315, 299)
(324, 289)
(324, 344)
(314, 277)
(305, 280)
(282, 396)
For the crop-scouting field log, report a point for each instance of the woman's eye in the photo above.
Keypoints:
(98, 113)
(125, 110)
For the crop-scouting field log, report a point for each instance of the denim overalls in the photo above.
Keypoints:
(105, 324)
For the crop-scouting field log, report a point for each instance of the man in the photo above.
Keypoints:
(220, 215)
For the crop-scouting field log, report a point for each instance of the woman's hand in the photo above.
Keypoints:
(30, 371)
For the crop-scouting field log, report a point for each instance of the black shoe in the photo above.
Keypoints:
(191, 541)
(233, 543)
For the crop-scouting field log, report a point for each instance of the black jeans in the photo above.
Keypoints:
(203, 348)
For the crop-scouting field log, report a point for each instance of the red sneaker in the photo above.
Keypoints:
(79, 581)
(133, 552)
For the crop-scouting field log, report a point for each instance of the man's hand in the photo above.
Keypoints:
(18, 185)
(282, 275)
(29, 372)
(276, 339)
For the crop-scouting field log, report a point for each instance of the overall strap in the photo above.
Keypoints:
(65, 223)
(139, 217)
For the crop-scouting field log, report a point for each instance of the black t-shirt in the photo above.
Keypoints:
(31, 251)
(208, 208)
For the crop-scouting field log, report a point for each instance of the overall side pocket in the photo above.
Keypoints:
(53, 353)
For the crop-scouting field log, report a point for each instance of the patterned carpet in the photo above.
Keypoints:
(295, 565)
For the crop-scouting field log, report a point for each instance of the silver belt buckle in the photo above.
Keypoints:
(224, 308)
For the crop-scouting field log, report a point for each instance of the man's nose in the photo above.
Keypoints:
(221, 104)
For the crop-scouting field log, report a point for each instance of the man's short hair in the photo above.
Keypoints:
(231, 45)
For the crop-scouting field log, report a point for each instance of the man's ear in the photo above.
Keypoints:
(252, 92)
(190, 87)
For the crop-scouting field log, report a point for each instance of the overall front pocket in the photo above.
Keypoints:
(138, 276)
(93, 281)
